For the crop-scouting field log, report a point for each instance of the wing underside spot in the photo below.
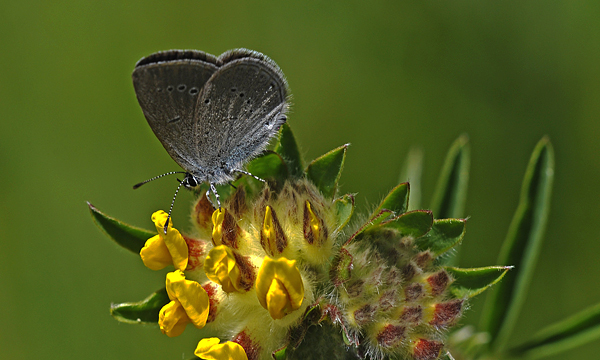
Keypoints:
(174, 120)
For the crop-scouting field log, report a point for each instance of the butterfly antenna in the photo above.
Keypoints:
(173, 203)
(249, 174)
(157, 177)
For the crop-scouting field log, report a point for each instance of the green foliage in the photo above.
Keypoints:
(470, 282)
(522, 246)
(141, 312)
(325, 171)
(130, 237)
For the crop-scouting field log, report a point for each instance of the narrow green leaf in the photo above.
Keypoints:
(142, 312)
(130, 237)
(325, 171)
(443, 236)
(521, 247)
(413, 223)
(470, 282)
(396, 200)
(344, 208)
(567, 334)
(288, 149)
(411, 172)
(451, 190)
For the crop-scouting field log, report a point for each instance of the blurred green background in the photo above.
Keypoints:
(382, 75)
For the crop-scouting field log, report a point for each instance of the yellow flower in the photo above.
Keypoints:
(279, 286)
(162, 250)
(220, 266)
(189, 303)
(217, 219)
(210, 349)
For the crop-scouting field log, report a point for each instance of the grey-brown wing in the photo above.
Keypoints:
(167, 86)
(239, 109)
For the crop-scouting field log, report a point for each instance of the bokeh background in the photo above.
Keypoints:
(382, 75)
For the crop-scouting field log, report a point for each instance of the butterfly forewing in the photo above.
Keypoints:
(239, 109)
(168, 86)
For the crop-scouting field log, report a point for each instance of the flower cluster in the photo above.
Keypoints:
(275, 272)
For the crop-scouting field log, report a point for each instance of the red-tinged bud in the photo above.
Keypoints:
(231, 231)
(438, 282)
(365, 314)
(237, 203)
(272, 237)
(409, 271)
(247, 271)
(251, 347)
(446, 313)
(203, 213)
(414, 292)
(427, 349)
(424, 259)
(412, 314)
(391, 335)
(315, 231)
(388, 300)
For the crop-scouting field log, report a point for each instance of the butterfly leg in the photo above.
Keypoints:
(247, 173)
(217, 197)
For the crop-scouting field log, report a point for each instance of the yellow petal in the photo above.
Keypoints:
(155, 254)
(174, 241)
(217, 219)
(278, 302)
(172, 319)
(191, 295)
(279, 280)
(220, 266)
(210, 349)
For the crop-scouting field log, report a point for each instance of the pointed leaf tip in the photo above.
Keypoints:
(396, 201)
(471, 282)
(288, 149)
(130, 237)
(141, 312)
(443, 236)
(451, 191)
(325, 171)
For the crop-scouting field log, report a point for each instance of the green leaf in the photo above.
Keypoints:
(451, 190)
(567, 334)
(470, 282)
(344, 208)
(414, 223)
(396, 200)
(288, 149)
(142, 312)
(375, 220)
(521, 247)
(443, 236)
(411, 172)
(279, 354)
(130, 237)
(269, 166)
(325, 171)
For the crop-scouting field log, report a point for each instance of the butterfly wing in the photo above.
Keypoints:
(240, 108)
(168, 85)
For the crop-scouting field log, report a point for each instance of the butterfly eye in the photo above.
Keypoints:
(191, 181)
